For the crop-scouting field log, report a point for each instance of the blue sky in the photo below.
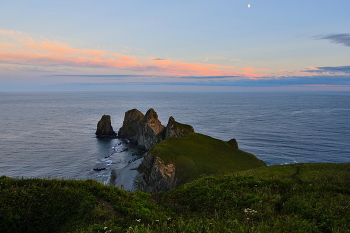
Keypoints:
(174, 45)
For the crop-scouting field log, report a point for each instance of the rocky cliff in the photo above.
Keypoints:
(177, 155)
(130, 128)
(145, 130)
(155, 175)
(176, 129)
(104, 128)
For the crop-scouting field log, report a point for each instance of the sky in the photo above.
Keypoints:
(183, 45)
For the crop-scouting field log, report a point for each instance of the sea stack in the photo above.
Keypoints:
(145, 130)
(104, 128)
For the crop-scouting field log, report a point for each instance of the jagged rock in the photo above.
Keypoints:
(176, 129)
(131, 123)
(149, 128)
(233, 143)
(146, 130)
(104, 128)
(155, 176)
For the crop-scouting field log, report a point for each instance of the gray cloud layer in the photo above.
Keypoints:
(332, 69)
(343, 38)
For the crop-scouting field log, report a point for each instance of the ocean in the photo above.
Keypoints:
(52, 134)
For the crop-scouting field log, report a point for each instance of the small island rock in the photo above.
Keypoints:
(104, 128)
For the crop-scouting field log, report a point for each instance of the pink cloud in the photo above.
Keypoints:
(61, 48)
(25, 49)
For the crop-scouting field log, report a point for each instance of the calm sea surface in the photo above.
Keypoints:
(52, 134)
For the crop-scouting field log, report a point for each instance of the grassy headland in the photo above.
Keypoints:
(286, 198)
(198, 154)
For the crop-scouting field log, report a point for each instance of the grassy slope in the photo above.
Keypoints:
(288, 198)
(198, 154)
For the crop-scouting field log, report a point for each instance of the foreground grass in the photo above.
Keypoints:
(288, 198)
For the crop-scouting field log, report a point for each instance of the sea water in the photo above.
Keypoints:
(52, 134)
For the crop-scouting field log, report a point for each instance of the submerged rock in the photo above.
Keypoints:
(104, 128)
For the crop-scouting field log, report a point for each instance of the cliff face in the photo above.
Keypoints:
(146, 130)
(131, 124)
(155, 175)
(176, 129)
(104, 128)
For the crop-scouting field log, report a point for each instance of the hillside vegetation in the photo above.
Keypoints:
(288, 198)
(198, 154)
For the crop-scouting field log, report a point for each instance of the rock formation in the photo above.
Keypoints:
(155, 176)
(176, 129)
(177, 155)
(104, 128)
(149, 129)
(145, 130)
(130, 128)
(233, 143)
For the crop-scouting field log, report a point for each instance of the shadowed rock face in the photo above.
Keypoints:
(146, 130)
(104, 128)
(149, 128)
(131, 124)
(176, 129)
(155, 176)
(233, 143)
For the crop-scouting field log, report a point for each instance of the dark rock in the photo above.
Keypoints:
(131, 124)
(233, 143)
(104, 128)
(155, 175)
(176, 129)
(99, 169)
(149, 128)
(146, 130)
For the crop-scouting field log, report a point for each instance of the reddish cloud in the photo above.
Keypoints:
(60, 48)
(25, 49)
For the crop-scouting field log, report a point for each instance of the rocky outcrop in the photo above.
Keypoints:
(131, 124)
(233, 143)
(176, 129)
(104, 128)
(149, 129)
(155, 176)
(145, 130)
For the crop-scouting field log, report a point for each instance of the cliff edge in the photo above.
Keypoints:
(177, 155)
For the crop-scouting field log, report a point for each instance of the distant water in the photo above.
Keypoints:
(52, 134)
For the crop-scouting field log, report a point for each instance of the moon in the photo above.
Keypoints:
(248, 5)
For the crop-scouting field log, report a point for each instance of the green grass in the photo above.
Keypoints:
(198, 154)
(288, 198)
